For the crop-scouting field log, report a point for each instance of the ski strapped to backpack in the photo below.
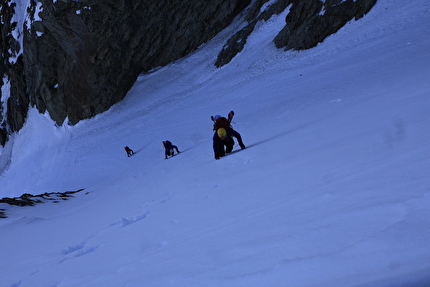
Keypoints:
(230, 117)
(222, 122)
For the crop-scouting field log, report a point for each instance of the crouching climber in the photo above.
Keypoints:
(223, 141)
(223, 137)
(129, 151)
(169, 149)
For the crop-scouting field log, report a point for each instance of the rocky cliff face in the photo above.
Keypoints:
(308, 23)
(81, 57)
(76, 58)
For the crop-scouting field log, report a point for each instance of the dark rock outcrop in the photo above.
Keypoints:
(306, 31)
(308, 23)
(81, 57)
(29, 199)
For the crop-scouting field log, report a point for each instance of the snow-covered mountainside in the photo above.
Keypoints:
(332, 189)
(75, 59)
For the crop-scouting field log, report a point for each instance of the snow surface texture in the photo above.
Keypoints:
(332, 190)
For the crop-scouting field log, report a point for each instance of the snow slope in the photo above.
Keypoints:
(332, 190)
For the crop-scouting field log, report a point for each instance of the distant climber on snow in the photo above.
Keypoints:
(129, 151)
(223, 137)
(169, 149)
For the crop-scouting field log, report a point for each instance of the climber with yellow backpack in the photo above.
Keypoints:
(223, 137)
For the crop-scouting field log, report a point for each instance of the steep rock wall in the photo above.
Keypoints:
(81, 57)
(308, 23)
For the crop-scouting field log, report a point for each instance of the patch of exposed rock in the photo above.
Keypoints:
(30, 200)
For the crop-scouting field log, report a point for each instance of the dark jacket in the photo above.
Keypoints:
(168, 148)
(228, 142)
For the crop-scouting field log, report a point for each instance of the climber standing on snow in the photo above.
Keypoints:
(223, 137)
